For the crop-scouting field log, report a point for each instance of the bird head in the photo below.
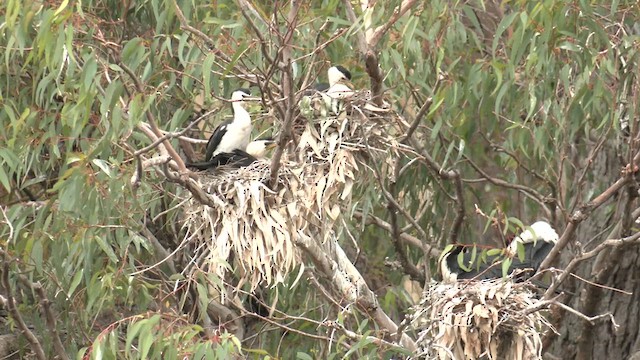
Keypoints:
(538, 231)
(240, 94)
(337, 74)
(259, 148)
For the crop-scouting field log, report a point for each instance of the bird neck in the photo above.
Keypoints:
(334, 78)
(240, 114)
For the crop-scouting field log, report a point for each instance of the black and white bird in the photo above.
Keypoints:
(238, 158)
(232, 134)
(339, 81)
(537, 240)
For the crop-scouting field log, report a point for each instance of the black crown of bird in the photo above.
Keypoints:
(336, 74)
(525, 252)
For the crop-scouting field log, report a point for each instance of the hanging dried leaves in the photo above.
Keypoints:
(255, 228)
(479, 319)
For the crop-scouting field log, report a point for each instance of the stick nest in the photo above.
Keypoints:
(492, 319)
(254, 228)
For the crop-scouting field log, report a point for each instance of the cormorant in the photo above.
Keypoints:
(232, 134)
(538, 240)
(256, 149)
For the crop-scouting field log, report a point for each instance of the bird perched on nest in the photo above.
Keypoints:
(256, 149)
(235, 133)
(339, 81)
(230, 135)
(338, 76)
(339, 86)
(336, 90)
(538, 240)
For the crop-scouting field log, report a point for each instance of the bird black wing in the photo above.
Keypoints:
(534, 254)
(479, 268)
(238, 158)
(215, 139)
(321, 87)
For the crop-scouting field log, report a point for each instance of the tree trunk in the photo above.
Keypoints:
(614, 268)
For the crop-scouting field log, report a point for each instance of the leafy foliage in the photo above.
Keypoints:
(521, 101)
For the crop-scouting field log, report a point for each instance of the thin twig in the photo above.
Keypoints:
(576, 260)
(36, 347)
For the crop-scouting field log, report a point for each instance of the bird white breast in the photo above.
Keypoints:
(238, 132)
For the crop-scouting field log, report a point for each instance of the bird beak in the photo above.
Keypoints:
(271, 145)
(346, 82)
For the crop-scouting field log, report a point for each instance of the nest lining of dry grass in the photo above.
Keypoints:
(255, 227)
(491, 319)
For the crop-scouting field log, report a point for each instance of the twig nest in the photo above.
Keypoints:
(250, 221)
(491, 319)
(254, 228)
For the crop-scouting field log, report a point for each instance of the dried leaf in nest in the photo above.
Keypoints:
(248, 221)
(315, 186)
(490, 320)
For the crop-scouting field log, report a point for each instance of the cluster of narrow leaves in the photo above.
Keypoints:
(249, 220)
(260, 225)
(469, 320)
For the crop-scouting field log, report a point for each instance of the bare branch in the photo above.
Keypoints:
(288, 91)
(36, 347)
(184, 24)
(170, 135)
(575, 261)
(580, 215)
(351, 15)
(408, 239)
(335, 264)
(381, 30)
(152, 123)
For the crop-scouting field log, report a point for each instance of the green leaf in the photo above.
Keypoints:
(207, 66)
(504, 24)
(102, 165)
(107, 249)
(61, 8)
(521, 254)
(494, 252)
(569, 46)
(462, 263)
(506, 265)
(77, 277)
(303, 356)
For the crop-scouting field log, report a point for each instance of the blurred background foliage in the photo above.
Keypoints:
(525, 96)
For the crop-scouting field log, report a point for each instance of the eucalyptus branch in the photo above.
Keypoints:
(353, 18)
(357, 337)
(501, 183)
(413, 271)
(335, 264)
(288, 92)
(590, 319)
(408, 239)
(579, 216)
(381, 30)
(566, 272)
(152, 123)
(36, 347)
(50, 318)
(245, 8)
(170, 135)
(184, 25)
